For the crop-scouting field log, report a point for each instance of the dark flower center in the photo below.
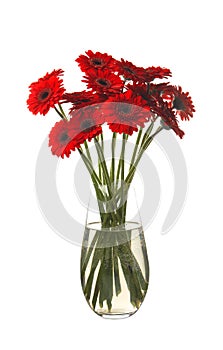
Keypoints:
(103, 82)
(127, 69)
(129, 119)
(124, 108)
(85, 100)
(97, 62)
(87, 124)
(64, 137)
(43, 95)
(178, 104)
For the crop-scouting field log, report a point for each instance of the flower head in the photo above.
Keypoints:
(182, 103)
(130, 71)
(144, 91)
(45, 93)
(157, 72)
(86, 123)
(103, 81)
(125, 112)
(95, 60)
(178, 100)
(168, 117)
(66, 136)
(61, 139)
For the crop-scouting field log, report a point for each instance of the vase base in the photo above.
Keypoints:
(115, 315)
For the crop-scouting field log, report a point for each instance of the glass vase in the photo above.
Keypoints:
(114, 268)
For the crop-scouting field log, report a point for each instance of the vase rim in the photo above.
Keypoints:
(127, 226)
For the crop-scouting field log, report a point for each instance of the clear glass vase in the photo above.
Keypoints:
(114, 268)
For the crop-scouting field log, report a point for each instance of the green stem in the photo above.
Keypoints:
(87, 151)
(102, 142)
(132, 170)
(147, 134)
(136, 147)
(60, 114)
(104, 167)
(160, 128)
(96, 182)
(102, 147)
(90, 160)
(124, 139)
(108, 215)
(100, 171)
(112, 170)
(90, 168)
(121, 160)
(110, 200)
(142, 150)
(89, 250)
(123, 178)
(116, 269)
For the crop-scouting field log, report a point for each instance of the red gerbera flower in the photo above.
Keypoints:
(66, 136)
(86, 123)
(168, 116)
(144, 91)
(130, 71)
(158, 89)
(103, 81)
(45, 93)
(161, 90)
(61, 139)
(125, 112)
(153, 96)
(178, 100)
(183, 104)
(169, 121)
(95, 60)
(157, 72)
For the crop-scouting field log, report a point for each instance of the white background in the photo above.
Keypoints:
(41, 302)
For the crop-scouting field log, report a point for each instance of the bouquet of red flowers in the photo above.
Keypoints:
(128, 99)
